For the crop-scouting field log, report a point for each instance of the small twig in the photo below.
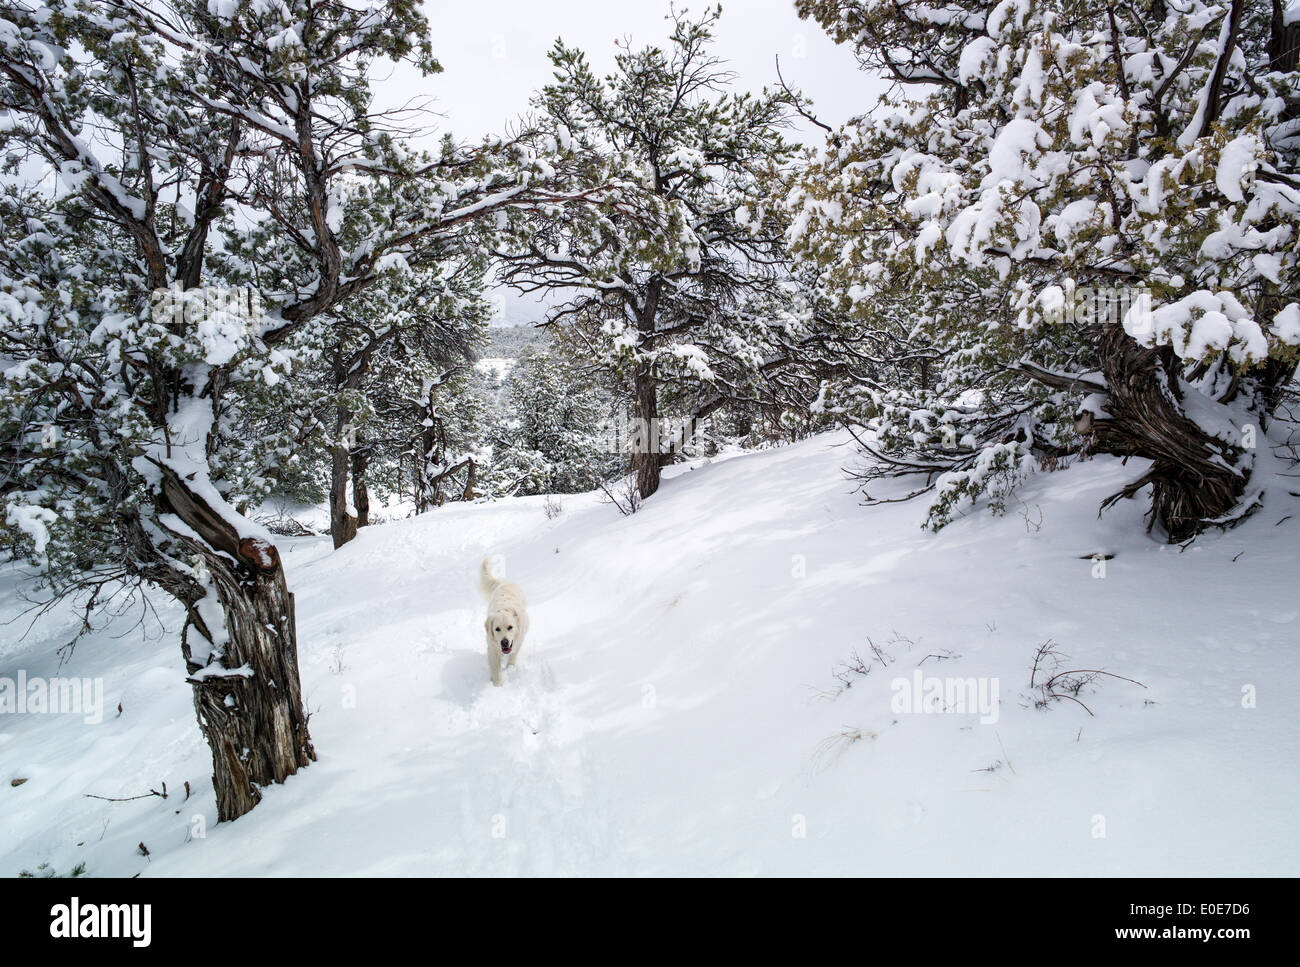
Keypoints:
(631, 495)
(882, 656)
(1090, 671)
(796, 101)
(1075, 700)
(1005, 758)
(948, 657)
(1045, 650)
(146, 795)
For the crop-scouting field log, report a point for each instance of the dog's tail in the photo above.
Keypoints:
(486, 582)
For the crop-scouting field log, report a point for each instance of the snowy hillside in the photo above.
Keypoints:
(685, 703)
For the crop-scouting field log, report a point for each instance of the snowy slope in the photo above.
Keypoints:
(677, 708)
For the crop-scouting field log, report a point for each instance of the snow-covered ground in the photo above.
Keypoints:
(677, 708)
(316, 517)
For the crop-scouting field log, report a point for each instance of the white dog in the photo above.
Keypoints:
(507, 620)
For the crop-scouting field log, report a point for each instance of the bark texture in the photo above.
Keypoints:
(1195, 478)
(343, 524)
(246, 686)
(647, 461)
(360, 491)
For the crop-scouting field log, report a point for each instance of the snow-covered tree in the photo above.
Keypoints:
(192, 184)
(663, 290)
(558, 428)
(452, 420)
(1079, 220)
(365, 375)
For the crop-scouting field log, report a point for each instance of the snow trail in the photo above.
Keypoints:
(682, 704)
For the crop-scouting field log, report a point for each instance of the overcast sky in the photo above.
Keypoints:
(493, 54)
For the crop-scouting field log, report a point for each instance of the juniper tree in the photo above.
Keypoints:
(1085, 212)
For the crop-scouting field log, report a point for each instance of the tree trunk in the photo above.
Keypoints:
(343, 514)
(360, 492)
(426, 484)
(1195, 478)
(647, 461)
(343, 521)
(247, 691)
(647, 458)
(1284, 40)
(470, 483)
(426, 445)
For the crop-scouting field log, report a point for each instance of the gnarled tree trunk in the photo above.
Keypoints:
(343, 515)
(247, 691)
(471, 486)
(1196, 478)
(427, 442)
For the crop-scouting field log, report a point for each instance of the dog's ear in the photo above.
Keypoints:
(487, 625)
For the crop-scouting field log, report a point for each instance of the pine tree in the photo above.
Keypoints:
(663, 288)
(363, 376)
(558, 429)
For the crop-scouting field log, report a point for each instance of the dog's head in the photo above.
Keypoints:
(502, 629)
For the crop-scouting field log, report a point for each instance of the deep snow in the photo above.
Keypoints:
(677, 710)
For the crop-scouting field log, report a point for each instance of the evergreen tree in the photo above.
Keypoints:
(1078, 219)
(558, 429)
(665, 288)
(220, 182)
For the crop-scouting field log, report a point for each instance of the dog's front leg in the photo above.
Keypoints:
(494, 663)
(519, 640)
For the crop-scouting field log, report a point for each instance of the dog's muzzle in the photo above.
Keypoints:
(505, 647)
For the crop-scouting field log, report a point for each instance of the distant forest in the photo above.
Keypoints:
(509, 342)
